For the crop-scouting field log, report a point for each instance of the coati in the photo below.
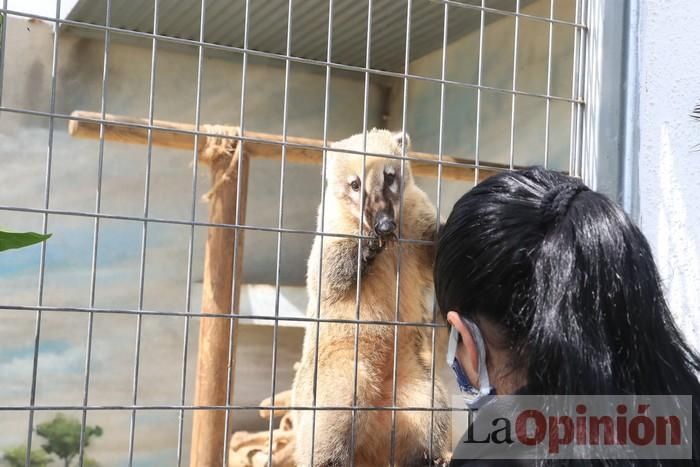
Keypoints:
(382, 185)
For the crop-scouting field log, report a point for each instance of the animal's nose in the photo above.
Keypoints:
(384, 225)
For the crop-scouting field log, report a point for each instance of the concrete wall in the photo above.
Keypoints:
(669, 161)
(460, 113)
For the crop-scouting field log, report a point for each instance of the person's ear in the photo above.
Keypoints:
(467, 352)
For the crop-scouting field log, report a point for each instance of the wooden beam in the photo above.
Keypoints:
(171, 135)
(221, 296)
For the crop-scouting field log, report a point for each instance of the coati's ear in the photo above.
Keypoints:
(401, 140)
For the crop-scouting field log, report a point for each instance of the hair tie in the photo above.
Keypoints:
(555, 202)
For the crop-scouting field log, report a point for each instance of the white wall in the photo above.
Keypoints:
(669, 150)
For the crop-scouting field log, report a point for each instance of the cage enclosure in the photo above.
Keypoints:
(174, 149)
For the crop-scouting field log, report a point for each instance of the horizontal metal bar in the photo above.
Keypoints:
(517, 14)
(182, 314)
(5, 408)
(437, 162)
(101, 215)
(278, 56)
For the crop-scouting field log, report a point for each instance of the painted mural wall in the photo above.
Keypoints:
(73, 185)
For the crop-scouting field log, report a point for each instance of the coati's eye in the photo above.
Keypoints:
(355, 185)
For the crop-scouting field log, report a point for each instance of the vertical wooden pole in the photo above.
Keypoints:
(208, 440)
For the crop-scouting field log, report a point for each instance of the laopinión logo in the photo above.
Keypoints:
(574, 427)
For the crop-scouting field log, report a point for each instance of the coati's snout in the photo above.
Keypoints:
(382, 199)
(384, 224)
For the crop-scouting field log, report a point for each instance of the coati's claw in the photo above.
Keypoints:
(371, 248)
(422, 461)
(379, 243)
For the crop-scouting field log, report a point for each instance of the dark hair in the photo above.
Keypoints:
(572, 282)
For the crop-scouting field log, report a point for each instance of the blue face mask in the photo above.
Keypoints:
(473, 397)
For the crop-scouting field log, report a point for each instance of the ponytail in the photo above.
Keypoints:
(571, 282)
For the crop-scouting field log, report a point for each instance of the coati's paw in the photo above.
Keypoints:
(330, 463)
(422, 461)
(371, 248)
(418, 461)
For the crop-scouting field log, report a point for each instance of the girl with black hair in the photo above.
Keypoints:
(564, 290)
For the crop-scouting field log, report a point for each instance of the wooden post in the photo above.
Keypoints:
(208, 439)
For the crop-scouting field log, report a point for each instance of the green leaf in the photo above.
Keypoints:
(62, 435)
(10, 240)
(16, 457)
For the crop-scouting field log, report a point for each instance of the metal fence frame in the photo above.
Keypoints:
(602, 145)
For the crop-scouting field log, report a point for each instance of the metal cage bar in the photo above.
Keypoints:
(479, 73)
(438, 206)
(236, 278)
(358, 288)
(190, 247)
(44, 230)
(280, 223)
(96, 232)
(321, 219)
(3, 42)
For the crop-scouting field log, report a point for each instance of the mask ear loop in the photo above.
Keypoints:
(485, 387)
(463, 382)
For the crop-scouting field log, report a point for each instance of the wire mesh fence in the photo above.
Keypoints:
(103, 322)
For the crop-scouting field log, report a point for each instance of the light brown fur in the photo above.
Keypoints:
(375, 356)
